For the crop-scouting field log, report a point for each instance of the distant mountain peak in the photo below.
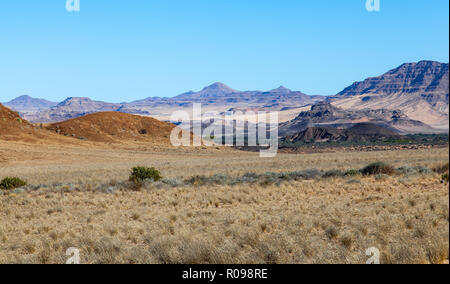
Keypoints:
(25, 103)
(281, 89)
(219, 87)
(23, 97)
(75, 100)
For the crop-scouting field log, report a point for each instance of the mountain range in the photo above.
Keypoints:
(219, 97)
(411, 98)
(67, 109)
(420, 90)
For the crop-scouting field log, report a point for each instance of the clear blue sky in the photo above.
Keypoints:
(123, 50)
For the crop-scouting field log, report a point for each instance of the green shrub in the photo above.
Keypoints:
(445, 177)
(378, 168)
(140, 174)
(12, 183)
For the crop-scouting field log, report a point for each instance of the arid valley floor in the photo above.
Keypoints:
(308, 220)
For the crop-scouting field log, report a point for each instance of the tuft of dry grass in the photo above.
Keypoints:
(332, 233)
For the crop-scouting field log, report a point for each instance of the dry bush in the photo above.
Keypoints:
(441, 169)
(378, 168)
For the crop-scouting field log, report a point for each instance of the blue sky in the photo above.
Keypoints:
(123, 50)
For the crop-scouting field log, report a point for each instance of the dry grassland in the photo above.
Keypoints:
(306, 221)
(99, 163)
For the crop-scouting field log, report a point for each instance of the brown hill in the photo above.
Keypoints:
(10, 121)
(12, 126)
(115, 127)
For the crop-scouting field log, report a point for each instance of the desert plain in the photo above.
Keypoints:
(78, 197)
